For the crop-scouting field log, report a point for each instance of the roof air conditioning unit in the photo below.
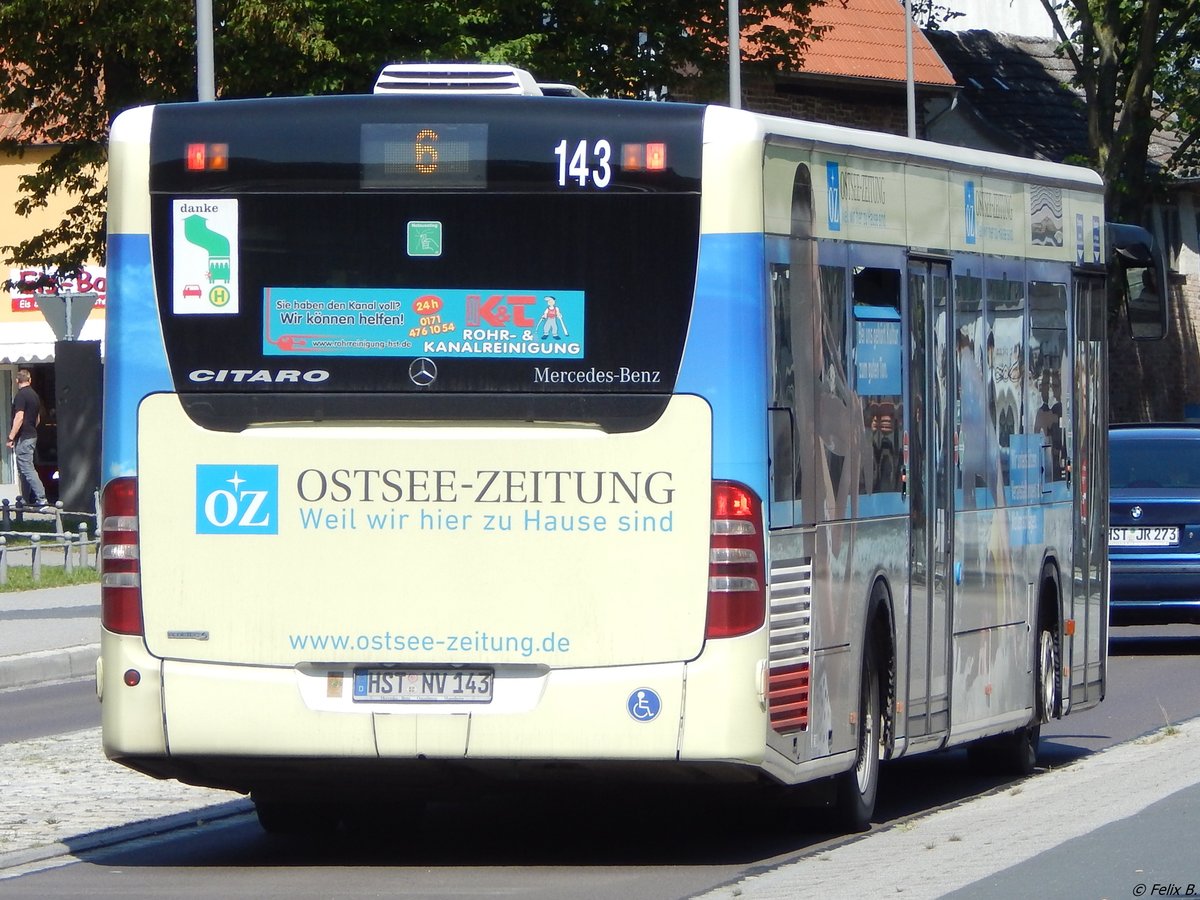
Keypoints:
(454, 78)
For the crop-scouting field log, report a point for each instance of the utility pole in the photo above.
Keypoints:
(909, 85)
(735, 56)
(206, 85)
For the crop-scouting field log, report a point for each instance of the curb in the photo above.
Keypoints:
(42, 666)
(79, 845)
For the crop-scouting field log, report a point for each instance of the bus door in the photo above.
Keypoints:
(929, 438)
(1085, 651)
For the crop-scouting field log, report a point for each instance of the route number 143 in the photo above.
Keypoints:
(584, 163)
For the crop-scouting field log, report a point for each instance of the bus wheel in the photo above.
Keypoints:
(1007, 754)
(1047, 671)
(855, 802)
(290, 818)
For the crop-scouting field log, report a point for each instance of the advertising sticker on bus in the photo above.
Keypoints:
(204, 257)
(431, 322)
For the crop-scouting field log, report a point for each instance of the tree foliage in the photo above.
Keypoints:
(933, 15)
(69, 66)
(1138, 64)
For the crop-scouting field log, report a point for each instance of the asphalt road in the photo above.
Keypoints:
(620, 845)
(48, 709)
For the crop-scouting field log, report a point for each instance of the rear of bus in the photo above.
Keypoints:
(409, 450)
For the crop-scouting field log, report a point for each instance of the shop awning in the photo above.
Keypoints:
(33, 341)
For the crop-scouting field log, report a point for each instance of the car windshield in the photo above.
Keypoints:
(1165, 463)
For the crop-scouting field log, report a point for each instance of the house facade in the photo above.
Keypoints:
(854, 74)
(28, 340)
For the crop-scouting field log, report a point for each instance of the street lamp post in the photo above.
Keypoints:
(735, 56)
(206, 84)
(909, 85)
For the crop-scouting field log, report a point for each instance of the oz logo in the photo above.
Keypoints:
(237, 499)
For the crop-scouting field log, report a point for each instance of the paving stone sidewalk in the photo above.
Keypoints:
(57, 792)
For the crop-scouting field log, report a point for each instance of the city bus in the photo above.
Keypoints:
(462, 437)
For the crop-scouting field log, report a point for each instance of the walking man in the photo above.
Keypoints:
(22, 436)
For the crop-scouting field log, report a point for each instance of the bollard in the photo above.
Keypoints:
(20, 508)
(35, 543)
(6, 516)
(68, 556)
(58, 525)
(4, 557)
(83, 545)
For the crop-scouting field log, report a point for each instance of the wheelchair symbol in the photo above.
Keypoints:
(644, 705)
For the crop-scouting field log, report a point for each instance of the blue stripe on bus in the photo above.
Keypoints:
(136, 362)
(725, 357)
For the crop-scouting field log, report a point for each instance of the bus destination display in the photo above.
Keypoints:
(424, 156)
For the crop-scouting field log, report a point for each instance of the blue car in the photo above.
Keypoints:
(1154, 523)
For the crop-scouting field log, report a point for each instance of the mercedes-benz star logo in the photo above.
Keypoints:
(423, 372)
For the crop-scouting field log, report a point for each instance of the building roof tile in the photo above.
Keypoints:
(864, 39)
(13, 125)
(10, 125)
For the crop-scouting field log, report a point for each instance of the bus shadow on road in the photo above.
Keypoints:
(588, 830)
(616, 828)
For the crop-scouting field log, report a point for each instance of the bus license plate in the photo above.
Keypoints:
(423, 685)
(1145, 536)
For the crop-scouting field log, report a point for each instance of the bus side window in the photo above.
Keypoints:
(878, 363)
(971, 403)
(840, 450)
(1047, 394)
(1005, 377)
(783, 399)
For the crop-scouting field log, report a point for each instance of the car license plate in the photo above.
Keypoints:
(1144, 536)
(423, 685)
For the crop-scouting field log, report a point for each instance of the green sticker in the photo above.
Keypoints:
(424, 238)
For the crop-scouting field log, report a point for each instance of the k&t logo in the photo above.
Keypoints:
(237, 499)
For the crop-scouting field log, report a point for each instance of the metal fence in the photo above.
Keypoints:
(66, 546)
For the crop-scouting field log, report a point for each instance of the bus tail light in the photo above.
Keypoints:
(120, 565)
(736, 570)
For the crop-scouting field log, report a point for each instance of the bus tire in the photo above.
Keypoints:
(1049, 683)
(289, 818)
(854, 804)
(1006, 754)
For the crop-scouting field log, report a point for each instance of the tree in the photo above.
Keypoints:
(69, 66)
(932, 15)
(1137, 64)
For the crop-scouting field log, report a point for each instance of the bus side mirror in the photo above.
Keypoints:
(1140, 273)
(1145, 305)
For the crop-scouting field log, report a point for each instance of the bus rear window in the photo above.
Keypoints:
(433, 251)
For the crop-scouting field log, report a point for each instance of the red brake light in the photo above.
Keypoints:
(195, 157)
(206, 157)
(732, 501)
(737, 595)
(120, 565)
